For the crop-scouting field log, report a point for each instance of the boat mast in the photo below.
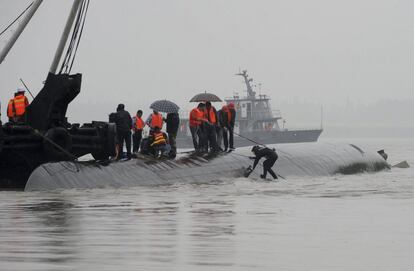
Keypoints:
(19, 29)
(250, 93)
(65, 35)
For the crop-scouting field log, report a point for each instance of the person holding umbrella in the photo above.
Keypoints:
(203, 121)
(172, 121)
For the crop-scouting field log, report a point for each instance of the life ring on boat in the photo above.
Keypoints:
(57, 136)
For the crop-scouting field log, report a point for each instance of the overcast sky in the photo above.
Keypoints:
(329, 52)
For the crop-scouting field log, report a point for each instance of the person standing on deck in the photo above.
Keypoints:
(138, 126)
(211, 116)
(173, 122)
(16, 108)
(123, 123)
(154, 120)
(219, 129)
(196, 119)
(230, 124)
(227, 119)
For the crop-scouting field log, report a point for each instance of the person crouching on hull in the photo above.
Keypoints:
(160, 143)
(271, 157)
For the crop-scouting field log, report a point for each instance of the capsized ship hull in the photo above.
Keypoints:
(310, 159)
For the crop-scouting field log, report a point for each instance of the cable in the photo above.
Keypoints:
(69, 58)
(80, 34)
(18, 17)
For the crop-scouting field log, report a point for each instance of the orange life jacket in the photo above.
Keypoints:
(139, 123)
(211, 115)
(20, 104)
(159, 139)
(195, 117)
(10, 109)
(156, 120)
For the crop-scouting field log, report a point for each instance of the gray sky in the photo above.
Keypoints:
(305, 53)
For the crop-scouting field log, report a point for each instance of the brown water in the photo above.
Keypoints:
(360, 222)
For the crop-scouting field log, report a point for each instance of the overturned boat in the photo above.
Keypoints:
(310, 159)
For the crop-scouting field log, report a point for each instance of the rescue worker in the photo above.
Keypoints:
(230, 124)
(159, 142)
(271, 157)
(173, 122)
(210, 129)
(195, 121)
(137, 127)
(219, 129)
(123, 123)
(227, 124)
(16, 108)
(154, 120)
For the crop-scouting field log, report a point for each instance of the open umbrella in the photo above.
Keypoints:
(165, 106)
(205, 97)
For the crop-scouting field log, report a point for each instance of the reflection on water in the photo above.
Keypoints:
(337, 223)
(37, 234)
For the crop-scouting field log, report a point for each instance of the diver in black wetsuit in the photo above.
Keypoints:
(271, 158)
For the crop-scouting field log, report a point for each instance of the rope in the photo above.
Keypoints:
(18, 17)
(86, 3)
(69, 59)
(75, 159)
(255, 142)
(251, 140)
(55, 145)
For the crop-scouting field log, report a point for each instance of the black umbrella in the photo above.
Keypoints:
(165, 106)
(206, 97)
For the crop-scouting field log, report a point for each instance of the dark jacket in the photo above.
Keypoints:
(223, 118)
(123, 121)
(173, 122)
(233, 117)
(264, 152)
(220, 121)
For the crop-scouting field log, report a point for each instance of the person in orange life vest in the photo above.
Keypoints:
(231, 117)
(196, 119)
(159, 142)
(16, 108)
(227, 125)
(137, 126)
(211, 133)
(154, 120)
